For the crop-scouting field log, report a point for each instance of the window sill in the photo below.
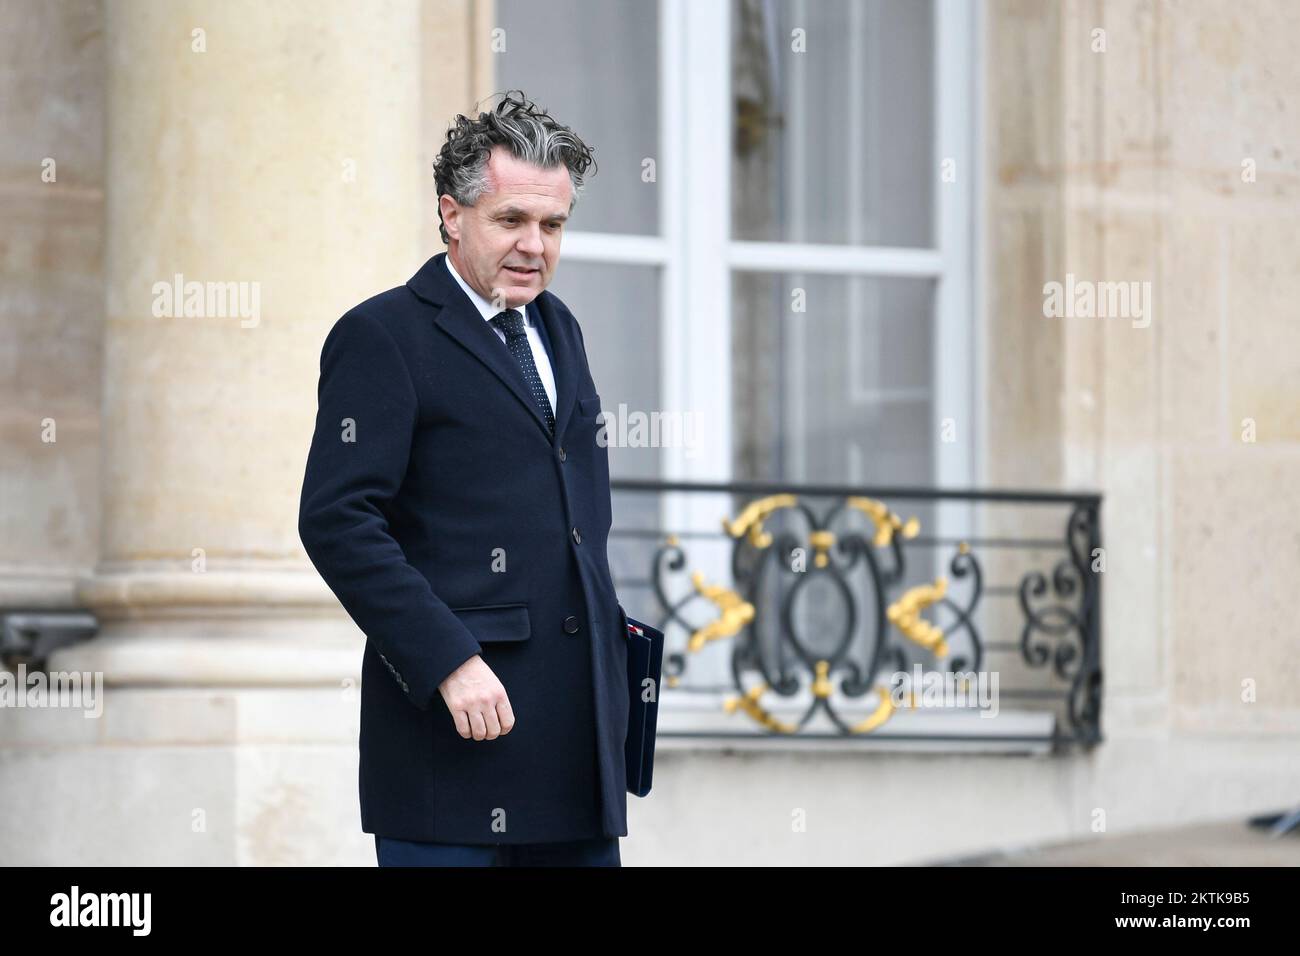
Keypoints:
(698, 722)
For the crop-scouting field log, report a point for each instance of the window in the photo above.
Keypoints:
(781, 219)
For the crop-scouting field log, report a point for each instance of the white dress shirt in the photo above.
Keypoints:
(540, 358)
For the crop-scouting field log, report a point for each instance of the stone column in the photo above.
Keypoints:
(266, 155)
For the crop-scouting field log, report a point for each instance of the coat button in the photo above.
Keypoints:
(570, 625)
(563, 455)
(577, 535)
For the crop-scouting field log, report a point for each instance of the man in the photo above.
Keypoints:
(456, 500)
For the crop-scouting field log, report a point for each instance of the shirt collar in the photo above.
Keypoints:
(483, 305)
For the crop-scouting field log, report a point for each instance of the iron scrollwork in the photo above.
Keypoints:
(785, 552)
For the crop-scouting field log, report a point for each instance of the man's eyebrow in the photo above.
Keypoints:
(523, 213)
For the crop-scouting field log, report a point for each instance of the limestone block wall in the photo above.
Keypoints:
(1157, 142)
(51, 295)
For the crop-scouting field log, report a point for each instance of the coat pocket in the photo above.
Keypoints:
(587, 407)
(496, 622)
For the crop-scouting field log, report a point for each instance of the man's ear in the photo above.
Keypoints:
(450, 210)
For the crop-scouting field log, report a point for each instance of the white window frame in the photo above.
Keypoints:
(696, 257)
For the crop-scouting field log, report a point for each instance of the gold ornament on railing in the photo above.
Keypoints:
(887, 523)
(822, 541)
(750, 705)
(750, 521)
(821, 685)
(884, 710)
(736, 612)
(905, 614)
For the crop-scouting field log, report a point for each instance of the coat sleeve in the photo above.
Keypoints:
(366, 416)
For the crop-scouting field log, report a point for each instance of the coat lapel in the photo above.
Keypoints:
(458, 317)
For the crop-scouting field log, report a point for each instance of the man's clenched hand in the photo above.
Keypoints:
(477, 701)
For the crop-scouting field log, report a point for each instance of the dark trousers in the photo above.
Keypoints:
(601, 852)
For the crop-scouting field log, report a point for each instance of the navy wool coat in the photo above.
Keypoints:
(449, 522)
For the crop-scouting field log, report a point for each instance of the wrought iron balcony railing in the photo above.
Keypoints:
(893, 613)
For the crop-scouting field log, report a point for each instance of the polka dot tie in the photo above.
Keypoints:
(512, 323)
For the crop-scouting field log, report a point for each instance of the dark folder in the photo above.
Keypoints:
(645, 659)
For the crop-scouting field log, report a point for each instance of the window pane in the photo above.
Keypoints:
(832, 379)
(833, 117)
(618, 309)
(594, 67)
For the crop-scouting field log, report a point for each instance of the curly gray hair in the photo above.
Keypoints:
(529, 132)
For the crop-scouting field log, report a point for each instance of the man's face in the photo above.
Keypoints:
(507, 245)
